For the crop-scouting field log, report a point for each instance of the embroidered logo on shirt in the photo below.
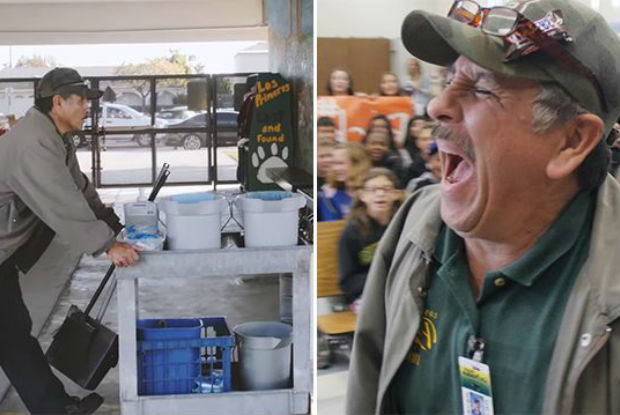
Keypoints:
(366, 254)
(425, 339)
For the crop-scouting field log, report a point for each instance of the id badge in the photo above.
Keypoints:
(475, 387)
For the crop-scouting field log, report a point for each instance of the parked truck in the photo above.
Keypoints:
(121, 117)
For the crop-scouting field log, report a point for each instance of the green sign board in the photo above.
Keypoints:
(271, 131)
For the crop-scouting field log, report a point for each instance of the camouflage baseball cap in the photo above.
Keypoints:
(64, 80)
(440, 40)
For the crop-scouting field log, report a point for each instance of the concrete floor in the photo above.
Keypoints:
(238, 299)
(331, 387)
(332, 381)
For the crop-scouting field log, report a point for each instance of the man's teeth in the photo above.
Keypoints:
(453, 162)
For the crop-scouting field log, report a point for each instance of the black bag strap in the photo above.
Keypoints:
(159, 182)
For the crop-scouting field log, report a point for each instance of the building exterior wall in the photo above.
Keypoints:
(291, 54)
(252, 62)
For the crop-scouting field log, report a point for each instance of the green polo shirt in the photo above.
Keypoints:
(517, 314)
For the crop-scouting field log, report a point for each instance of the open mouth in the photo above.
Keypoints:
(451, 165)
(376, 154)
(381, 205)
(456, 168)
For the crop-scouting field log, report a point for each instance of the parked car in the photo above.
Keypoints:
(193, 140)
(175, 115)
(121, 117)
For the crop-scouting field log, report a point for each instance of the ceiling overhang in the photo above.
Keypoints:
(130, 21)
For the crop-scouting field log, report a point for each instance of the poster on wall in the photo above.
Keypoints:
(351, 114)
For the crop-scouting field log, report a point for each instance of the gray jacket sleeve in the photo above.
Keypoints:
(370, 334)
(100, 210)
(367, 355)
(42, 180)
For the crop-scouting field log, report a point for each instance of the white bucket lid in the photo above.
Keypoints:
(270, 201)
(202, 203)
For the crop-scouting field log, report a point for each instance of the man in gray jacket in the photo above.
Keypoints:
(42, 193)
(499, 289)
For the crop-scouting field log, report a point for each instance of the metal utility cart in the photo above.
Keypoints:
(210, 264)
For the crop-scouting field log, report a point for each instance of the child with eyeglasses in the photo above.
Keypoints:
(373, 208)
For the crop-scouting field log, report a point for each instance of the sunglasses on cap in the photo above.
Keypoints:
(523, 37)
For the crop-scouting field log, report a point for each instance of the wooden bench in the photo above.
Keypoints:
(340, 322)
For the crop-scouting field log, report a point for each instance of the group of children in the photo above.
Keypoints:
(418, 86)
(364, 183)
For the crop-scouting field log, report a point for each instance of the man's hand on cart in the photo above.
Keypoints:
(123, 254)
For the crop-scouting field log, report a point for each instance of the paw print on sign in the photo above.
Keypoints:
(260, 161)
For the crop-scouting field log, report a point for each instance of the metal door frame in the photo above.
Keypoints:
(95, 133)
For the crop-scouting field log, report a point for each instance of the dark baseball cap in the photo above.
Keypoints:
(440, 40)
(60, 80)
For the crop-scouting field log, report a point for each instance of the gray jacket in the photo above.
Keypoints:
(40, 179)
(584, 375)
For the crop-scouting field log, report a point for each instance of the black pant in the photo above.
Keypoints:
(21, 356)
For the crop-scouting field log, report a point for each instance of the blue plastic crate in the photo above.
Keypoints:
(174, 355)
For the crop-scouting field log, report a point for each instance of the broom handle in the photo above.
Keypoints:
(161, 179)
(159, 185)
(93, 300)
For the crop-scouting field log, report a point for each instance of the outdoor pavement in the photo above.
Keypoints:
(49, 293)
(124, 163)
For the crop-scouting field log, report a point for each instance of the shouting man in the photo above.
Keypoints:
(499, 289)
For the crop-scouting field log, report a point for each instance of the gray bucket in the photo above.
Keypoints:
(264, 354)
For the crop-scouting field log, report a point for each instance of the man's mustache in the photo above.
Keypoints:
(463, 142)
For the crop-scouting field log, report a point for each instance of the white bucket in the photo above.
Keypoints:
(193, 220)
(264, 354)
(270, 218)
